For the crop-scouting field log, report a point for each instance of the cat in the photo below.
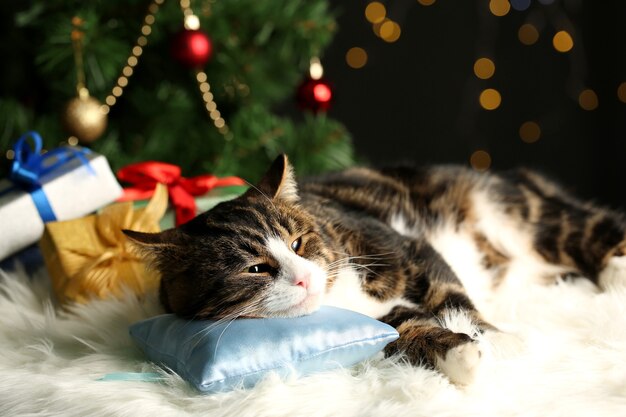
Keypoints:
(364, 239)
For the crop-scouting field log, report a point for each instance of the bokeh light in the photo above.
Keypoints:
(390, 31)
(530, 132)
(192, 22)
(316, 70)
(490, 99)
(376, 26)
(588, 100)
(480, 160)
(484, 68)
(499, 7)
(356, 57)
(528, 34)
(621, 92)
(563, 41)
(375, 12)
(426, 2)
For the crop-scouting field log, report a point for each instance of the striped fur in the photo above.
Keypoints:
(368, 232)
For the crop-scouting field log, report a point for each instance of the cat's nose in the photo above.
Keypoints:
(302, 280)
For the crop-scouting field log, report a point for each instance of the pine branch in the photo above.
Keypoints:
(262, 49)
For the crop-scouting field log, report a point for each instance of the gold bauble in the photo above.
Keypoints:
(85, 118)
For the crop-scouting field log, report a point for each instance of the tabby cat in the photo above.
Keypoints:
(365, 239)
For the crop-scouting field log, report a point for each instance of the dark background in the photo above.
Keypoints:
(416, 100)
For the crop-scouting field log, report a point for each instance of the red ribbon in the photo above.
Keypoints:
(145, 175)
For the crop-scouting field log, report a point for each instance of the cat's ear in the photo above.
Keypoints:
(279, 182)
(153, 244)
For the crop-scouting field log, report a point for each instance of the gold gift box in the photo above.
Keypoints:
(91, 257)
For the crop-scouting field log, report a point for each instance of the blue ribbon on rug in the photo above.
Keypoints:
(30, 165)
(132, 376)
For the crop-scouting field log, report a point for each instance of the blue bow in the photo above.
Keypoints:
(29, 166)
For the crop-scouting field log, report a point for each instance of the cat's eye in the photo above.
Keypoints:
(261, 269)
(296, 244)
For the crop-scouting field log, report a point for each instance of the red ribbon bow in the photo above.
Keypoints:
(145, 175)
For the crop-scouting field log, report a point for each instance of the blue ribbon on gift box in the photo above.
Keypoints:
(30, 166)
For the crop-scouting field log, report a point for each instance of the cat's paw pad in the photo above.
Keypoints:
(460, 364)
(614, 274)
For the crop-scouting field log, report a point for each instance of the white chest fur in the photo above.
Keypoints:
(347, 293)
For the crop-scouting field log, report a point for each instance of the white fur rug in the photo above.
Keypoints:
(572, 363)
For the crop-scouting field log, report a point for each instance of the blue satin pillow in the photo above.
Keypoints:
(217, 357)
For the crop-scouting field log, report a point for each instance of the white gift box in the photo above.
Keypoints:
(73, 190)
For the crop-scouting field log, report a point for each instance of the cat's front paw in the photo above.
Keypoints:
(461, 363)
(614, 274)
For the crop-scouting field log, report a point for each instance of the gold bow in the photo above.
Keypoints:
(91, 257)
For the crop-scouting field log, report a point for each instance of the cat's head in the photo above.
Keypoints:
(259, 255)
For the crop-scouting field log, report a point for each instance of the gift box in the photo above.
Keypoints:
(91, 257)
(62, 184)
(203, 203)
(188, 196)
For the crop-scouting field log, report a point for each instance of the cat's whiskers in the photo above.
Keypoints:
(244, 311)
(280, 300)
(354, 265)
(375, 256)
(349, 267)
(346, 264)
(366, 267)
(205, 331)
(336, 272)
(349, 259)
(228, 317)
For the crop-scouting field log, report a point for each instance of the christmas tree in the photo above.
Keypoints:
(207, 113)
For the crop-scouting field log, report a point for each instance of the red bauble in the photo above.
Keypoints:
(192, 48)
(315, 95)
